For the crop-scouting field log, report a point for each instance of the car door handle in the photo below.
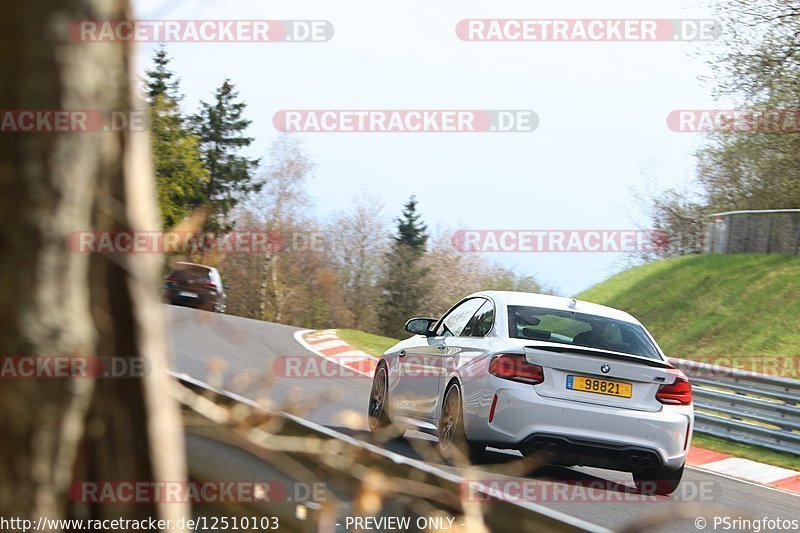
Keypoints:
(441, 346)
(402, 353)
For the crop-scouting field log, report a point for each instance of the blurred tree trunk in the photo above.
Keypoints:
(57, 302)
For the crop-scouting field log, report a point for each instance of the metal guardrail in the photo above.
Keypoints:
(215, 451)
(746, 407)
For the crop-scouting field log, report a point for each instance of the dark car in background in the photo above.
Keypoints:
(198, 286)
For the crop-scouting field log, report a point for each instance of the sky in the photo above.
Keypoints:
(602, 109)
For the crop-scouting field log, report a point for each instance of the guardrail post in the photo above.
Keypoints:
(797, 239)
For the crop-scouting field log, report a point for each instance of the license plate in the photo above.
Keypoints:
(187, 294)
(599, 386)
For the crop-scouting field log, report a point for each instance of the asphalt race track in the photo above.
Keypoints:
(240, 354)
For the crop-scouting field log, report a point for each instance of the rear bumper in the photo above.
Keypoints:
(187, 302)
(202, 301)
(569, 451)
(583, 433)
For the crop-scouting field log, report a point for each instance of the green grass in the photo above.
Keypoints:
(374, 345)
(709, 307)
(747, 451)
(705, 305)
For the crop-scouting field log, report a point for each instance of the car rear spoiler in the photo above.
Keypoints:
(597, 352)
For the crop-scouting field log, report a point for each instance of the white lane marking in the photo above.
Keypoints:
(446, 472)
(726, 476)
(750, 470)
(319, 340)
(318, 336)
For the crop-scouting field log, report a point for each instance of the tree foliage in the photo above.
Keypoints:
(358, 243)
(348, 272)
(220, 126)
(405, 283)
(181, 178)
(758, 65)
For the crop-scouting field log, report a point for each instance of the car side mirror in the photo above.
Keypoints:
(420, 326)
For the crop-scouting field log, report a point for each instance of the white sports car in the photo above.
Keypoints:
(571, 382)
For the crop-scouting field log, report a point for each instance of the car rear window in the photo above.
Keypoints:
(579, 329)
(186, 272)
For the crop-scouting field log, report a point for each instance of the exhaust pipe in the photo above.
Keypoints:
(646, 462)
(538, 446)
(633, 460)
(552, 448)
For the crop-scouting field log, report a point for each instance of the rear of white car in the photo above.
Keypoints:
(570, 382)
(582, 405)
(647, 425)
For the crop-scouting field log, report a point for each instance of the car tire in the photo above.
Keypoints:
(475, 452)
(660, 481)
(453, 442)
(377, 413)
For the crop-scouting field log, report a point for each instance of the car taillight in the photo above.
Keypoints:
(210, 285)
(172, 279)
(516, 368)
(678, 393)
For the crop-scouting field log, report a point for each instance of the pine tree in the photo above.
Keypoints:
(410, 231)
(220, 126)
(181, 179)
(404, 284)
(160, 80)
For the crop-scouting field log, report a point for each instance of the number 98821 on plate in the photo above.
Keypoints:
(599, 386)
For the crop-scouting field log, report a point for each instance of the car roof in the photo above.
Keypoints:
(198, 265)
(555, 302)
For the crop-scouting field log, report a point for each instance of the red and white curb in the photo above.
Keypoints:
(744, 469)
(327, 345)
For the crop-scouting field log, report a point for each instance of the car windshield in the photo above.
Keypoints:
(579, 329)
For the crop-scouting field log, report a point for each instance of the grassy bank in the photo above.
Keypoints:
(366, 342)
(730, 309)
(702, 305)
